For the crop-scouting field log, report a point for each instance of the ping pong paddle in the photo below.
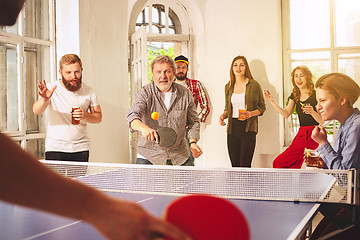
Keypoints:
(167, 136)
(206, 217)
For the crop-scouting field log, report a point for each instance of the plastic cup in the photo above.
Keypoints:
(241, 111)
(73, 120)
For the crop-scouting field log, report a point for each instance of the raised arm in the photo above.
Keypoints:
(26, 181)
(284, 112)
(43, 101)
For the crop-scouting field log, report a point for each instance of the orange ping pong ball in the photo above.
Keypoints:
(155, 116)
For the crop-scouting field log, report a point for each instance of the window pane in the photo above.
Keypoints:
(174, 22)
(147, 14)
(163, 18)
(10, 29)
(350, 65)
(140, 18)
(36, 67)
(155, 29)
(318, 62)
(347, 22)
(36, 147)
(305, 32)
(155, 15)
(36, 19)
(9, 88)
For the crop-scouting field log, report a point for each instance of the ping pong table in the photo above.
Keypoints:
(278, 204)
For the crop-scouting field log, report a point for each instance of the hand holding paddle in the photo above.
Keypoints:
(165, 137)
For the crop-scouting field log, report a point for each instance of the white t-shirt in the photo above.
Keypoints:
(62, 135)
(166, 97)
(238, 102)
(181, 82)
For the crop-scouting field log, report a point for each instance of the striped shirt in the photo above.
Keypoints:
(181, 113)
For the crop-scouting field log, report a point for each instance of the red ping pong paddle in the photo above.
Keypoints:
(167, 136)
(206, 217)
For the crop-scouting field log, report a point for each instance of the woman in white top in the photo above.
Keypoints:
(244, 102)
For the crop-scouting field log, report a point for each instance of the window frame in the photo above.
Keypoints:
(290, 128)
(20, 41)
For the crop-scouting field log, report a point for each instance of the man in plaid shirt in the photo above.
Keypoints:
(195, 86)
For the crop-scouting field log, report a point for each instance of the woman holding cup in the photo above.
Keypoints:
(244, 102)
(303, 97)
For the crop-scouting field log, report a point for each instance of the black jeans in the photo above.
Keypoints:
(241, 144)
(66, 156)
(69, 170)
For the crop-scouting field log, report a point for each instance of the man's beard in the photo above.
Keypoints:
(70, 87)
(180, 77)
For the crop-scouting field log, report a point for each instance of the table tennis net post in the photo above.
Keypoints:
(300, 185)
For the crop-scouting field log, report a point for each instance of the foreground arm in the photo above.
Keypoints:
(26, 181)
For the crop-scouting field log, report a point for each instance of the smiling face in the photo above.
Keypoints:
(239, 68)
(300, 79)
(328, 105)
(163, 76)
(71, 76)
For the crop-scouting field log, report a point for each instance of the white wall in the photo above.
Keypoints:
(252, 29)
(222, 30)
(103, 48)
(67, 28)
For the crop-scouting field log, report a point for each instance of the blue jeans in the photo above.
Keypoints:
(188, 162)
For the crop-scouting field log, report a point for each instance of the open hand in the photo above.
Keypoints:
(43, 91)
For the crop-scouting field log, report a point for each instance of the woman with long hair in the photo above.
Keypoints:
(303, 98)
(244, 102)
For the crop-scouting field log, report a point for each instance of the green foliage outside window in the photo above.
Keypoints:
(152, 54)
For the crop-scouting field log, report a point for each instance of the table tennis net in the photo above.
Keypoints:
(301, 185)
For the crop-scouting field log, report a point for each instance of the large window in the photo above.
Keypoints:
(159, 20)
(323, 35)
(26, 56)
